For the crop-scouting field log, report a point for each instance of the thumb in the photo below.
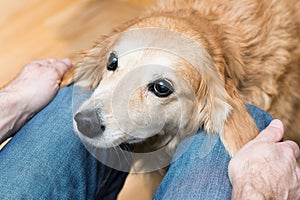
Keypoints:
(273, 132)
(67, 62)
(61, 66)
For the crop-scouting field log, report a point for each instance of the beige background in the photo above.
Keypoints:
(35, 29)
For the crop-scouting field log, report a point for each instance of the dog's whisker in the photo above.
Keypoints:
(126, 155)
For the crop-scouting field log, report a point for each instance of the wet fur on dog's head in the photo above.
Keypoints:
(152, 51)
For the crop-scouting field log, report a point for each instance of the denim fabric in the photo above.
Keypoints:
(201, 171)
(45, 160)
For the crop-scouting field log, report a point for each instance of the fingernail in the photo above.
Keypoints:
(67, 62)
(276, 123)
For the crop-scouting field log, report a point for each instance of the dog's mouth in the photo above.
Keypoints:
(89, 125)
(134, 140)
(94, 134)
(147, 145)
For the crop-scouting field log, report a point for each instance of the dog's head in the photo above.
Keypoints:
(157, 77)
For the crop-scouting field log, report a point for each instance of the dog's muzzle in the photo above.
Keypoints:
(89, 123)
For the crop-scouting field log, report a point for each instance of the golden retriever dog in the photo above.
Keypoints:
(188, 65)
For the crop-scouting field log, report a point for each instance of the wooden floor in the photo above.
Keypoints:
(35, 29)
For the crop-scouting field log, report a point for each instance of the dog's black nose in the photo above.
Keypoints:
(89, 123)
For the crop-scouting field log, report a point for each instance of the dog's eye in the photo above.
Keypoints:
(112, 63)
(161, 87)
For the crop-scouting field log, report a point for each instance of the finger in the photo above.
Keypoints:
(67, 61)
(293, 146)
(45, 61)
(273, 133)
(61, 66)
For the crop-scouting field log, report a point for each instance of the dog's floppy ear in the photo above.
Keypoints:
(223, 111)
(89, 67)
(239, 127)
(68, 77)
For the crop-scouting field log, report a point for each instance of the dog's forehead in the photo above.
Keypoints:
(145, 38)
(168, 48)
(154, 46)
(156, 40)
(159, 59)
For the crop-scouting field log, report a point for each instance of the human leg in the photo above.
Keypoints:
(45, 160)
(201, 171)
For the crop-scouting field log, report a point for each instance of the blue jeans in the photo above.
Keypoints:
(45, 160)
(201, 172)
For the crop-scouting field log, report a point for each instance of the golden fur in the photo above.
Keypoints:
(254, 47)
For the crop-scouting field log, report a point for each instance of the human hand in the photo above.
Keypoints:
(38, 82)
(266, 168)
